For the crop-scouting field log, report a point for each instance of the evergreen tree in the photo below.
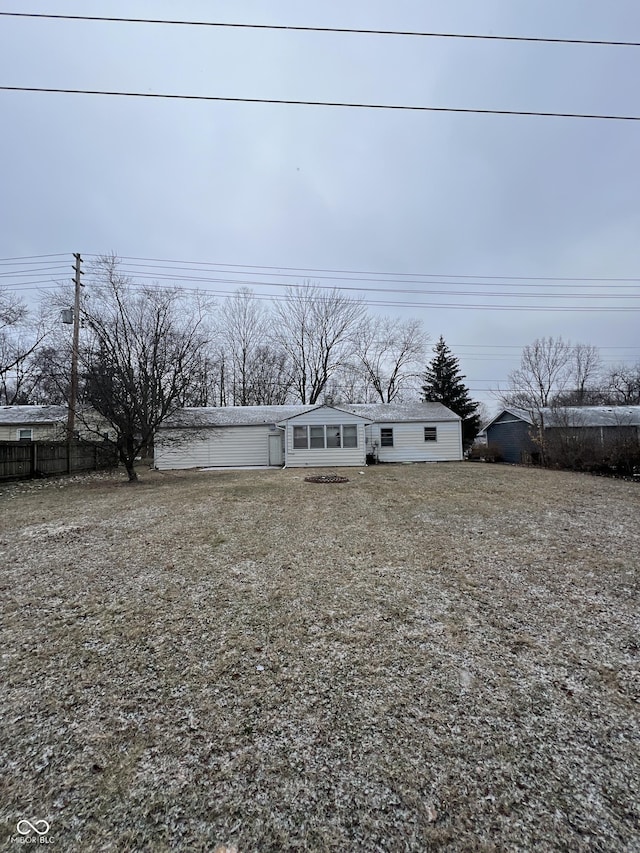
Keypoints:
(443, 384)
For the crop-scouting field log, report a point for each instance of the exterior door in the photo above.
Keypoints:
(276, 450)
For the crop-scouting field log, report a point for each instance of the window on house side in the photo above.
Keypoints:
(386, 437)
(430, 433)
(25, 434)
(317, 437)
(333, 436)
(300, 441)
(350, 435)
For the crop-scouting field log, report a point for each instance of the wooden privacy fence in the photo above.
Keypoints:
(24, 459)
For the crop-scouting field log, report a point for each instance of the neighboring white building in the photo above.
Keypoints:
(46, 423)
(308, 436)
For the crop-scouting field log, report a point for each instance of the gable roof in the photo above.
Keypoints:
(32, 414)
(576, 416)
(401, 412)
(518, 414)
(343, 411)
(223, 416)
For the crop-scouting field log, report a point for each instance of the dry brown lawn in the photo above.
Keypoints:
(428, 657)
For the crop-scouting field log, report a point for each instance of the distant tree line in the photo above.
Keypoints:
(555, 372)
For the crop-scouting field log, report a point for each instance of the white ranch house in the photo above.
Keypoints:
(308, 436)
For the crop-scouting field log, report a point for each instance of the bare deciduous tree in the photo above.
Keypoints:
(586, 368)
(622, 385)
(317, 330)
(390, 352)
(20, 337)
(143, 349)
(243, 330)
(545, 368)
(269, 377)
(582, 384)
(12, 308)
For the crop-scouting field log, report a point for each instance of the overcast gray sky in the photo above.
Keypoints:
(436, 194)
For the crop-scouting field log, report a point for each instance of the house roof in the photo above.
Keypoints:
(577, 416)
(401, 412)
(349, 412)
(32, 414)
(592, 416)
(253, 415)
(232, 415)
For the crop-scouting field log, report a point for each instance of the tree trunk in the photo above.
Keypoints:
(131, 471)
(128, 459)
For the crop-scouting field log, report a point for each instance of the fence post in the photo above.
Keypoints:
(34, 458)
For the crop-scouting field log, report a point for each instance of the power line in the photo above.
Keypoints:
(284, 101)
(518, 346)
(140, 282)
(308, 29)
(28, 273)
(32, 257)
(171, 277)
(365, 272)
(426, 292)
(393, 303)
(179, 272)
(48, 284)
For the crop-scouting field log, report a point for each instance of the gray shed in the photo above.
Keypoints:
(511, 433)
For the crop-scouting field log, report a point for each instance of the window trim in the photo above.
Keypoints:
(317, 427)
(24, 438)
(351, 446)
(324, 428)
(340, 444)
(293, 437)
(384, 441)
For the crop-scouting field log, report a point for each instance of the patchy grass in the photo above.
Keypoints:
(425, 657)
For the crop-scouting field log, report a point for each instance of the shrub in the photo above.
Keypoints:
(485, 453)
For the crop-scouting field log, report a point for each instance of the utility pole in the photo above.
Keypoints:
(73, 392)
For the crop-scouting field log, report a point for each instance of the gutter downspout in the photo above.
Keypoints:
(284, 430)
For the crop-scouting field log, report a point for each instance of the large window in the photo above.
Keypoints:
(349, 435)
(300, 437)
(430, 433)
(334, 437)
(323, 436)
(386, 437)
(317, 437)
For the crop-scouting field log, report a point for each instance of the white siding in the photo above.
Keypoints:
(218, 447)
(57, 431)
(40, 432)
(409, 444)
(334, 457)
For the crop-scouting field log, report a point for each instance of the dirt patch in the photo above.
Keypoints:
(430, 657)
